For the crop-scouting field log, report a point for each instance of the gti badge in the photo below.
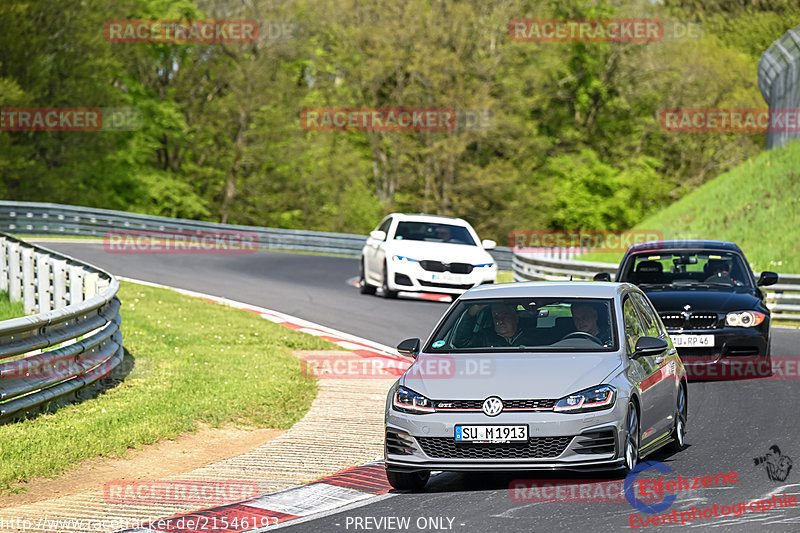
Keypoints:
(492, 406)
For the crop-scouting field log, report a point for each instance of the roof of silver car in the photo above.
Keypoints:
(567, 289)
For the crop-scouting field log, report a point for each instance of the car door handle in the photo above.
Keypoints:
(672, 352)
(658, 360)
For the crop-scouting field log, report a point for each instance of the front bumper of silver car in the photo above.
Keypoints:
(586, 441)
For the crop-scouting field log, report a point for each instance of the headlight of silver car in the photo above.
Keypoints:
(408, 401)
(594, 399)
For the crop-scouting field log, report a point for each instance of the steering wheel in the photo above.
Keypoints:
(581, 335)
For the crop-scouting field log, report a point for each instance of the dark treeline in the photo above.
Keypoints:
(574, 140)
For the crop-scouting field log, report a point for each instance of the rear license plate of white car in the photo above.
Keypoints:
(682, 341)
(492, 434)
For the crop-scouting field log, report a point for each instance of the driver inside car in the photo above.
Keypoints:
(585, 318)
(506, 330)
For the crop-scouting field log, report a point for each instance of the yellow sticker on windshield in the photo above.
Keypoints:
(654, 258)
(715, 257)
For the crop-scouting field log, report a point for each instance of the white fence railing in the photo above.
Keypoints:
(73, 340)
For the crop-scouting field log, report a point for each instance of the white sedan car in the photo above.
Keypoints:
(425, 253)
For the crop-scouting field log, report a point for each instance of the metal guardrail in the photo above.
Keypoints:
(35, 218)
(73, 340)
(783, 298)
(778, 72)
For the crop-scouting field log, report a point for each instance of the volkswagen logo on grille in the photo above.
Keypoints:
(492, 406)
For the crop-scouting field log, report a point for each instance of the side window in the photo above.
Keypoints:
(633, 325)
(384, 227)
(649, 318)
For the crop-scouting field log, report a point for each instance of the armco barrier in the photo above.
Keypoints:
(783, 299)
(74, 338)
(35, 218)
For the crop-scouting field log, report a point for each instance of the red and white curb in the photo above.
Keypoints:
(333, 493)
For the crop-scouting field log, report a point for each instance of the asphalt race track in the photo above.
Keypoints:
(730, 423)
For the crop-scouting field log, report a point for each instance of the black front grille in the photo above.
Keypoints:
(535, 448)
(674, 321)
(433, 266)
(445, 405)
(460, 268)
(438, 266)
(703, 321)
(596, 442)
(444, 285)
(402, 279)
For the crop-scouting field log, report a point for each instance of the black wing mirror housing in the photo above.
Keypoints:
(649, 346)
(602, 276)
(409, 347)
(767, 278)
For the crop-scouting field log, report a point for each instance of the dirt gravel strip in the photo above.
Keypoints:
(342, 429)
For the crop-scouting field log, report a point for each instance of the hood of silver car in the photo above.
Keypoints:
(508, 375)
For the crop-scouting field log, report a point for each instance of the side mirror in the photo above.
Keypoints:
(649, 346)
(409, 347)
(767, 278)
(488, 244)
(378, 235)
(602, 276)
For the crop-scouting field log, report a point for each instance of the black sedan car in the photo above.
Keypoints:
(709, 301)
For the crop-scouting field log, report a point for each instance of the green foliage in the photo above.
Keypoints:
(574, 140)
(756, 205)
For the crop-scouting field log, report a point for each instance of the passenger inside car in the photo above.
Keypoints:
(504, 331)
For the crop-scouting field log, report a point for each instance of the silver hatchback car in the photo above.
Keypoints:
(553, 375)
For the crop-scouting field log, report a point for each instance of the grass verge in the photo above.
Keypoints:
(9, 309)
(193, 362)
(756, 205)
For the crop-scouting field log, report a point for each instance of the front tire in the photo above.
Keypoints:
(408, 480)
(363, 286)
(679, 429)
(632, 438)
(387, 293)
